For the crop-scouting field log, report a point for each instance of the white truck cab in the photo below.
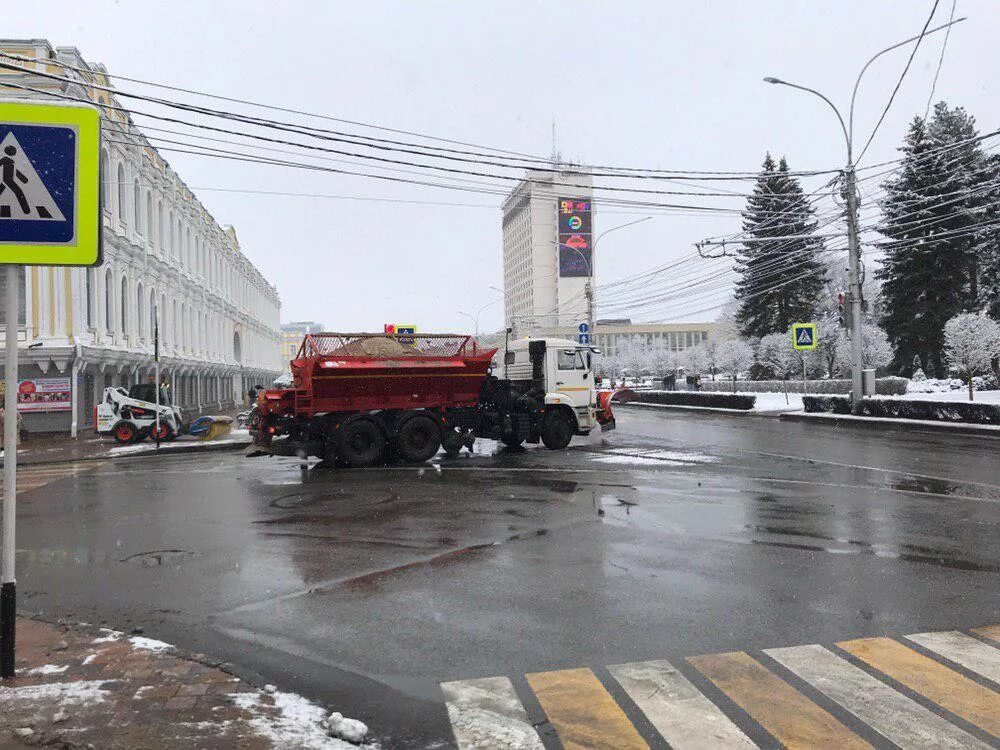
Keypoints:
(567, 372)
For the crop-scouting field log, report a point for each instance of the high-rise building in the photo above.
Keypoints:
(547, 250)
(291, 338)
(169, 268)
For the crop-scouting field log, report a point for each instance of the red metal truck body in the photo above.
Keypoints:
(336, 372)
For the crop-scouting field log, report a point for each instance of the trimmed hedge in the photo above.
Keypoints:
(695, 398)
(968, 412)
(888, 386)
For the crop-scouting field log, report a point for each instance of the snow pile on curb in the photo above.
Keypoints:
(81, 692)
(299, 723)
(150, 644)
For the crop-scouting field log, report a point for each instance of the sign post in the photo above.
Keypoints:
(50, 215)
(804, 339)
(583, 333)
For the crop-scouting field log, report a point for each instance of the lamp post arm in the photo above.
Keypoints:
(843, 127)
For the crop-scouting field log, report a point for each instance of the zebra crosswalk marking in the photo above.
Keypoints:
(990, 631)
(485, 714)
(782, 710)
(976, 704)
(682, 715)
(583, 712)
(890, 713)
(974, 655)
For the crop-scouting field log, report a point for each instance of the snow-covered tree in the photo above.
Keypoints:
(876, 351)
(971, 343)
(696, 359)
(930, 212)
(781, 279)
(734, 357)
(774, 354)
(828, 338)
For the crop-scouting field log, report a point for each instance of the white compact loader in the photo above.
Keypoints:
(130, 416)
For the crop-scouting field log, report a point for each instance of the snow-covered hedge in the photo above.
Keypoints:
(695, 398)
(937, 411)
(943, 385)
(891, 386)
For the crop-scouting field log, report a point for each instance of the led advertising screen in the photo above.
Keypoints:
(574, 223)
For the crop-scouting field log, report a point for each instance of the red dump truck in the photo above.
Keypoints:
(358, 398)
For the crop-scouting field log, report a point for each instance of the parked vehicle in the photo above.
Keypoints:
(130, 416)
(358, 397)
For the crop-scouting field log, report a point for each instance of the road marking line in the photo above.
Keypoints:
(976, 704)
(989, 631)
(583, 712)
(889, 712)
(974, 655)
(486, 714)
(782, 710)
(685, 717)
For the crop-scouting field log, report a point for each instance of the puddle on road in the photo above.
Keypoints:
(160, 557)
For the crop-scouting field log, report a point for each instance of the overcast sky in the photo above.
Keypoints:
(670, 85)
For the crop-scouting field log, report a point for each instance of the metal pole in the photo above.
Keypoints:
(854, 271)
(156, 371)
(8, 596)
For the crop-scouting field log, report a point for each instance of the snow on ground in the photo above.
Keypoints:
(299, 724)
(962, 394)
(82, 692)
(236, 436)
(150, 644)
(48, 669)
(777, 401)
(109, 636)
(651, 457)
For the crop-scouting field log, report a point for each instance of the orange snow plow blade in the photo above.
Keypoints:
(605, 417)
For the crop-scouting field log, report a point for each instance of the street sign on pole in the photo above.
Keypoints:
(50, 215)
(583, 335)
(804, 336)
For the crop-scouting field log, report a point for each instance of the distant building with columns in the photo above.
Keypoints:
(166, 260)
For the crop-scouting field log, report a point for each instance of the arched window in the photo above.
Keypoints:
(122, 200)
(163, 318)
(124, 299)
(152, 315)
(137, 206)
(175, 326)
(89, 277)
(105, 179)
(237, 347)
(149, 217)
(161, 238)
(140, 307)
(109, 302)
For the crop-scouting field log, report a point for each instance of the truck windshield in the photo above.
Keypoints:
(570, 360)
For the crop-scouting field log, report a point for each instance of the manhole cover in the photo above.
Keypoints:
(159, 557)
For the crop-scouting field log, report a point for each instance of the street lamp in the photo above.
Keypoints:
(475, 319)
(850, 194)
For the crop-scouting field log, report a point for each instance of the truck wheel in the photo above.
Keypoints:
(165, 432)
(418, 439)
(557, 429)
(361, 444)
(125, 432)
(512, 441)
(452, 442)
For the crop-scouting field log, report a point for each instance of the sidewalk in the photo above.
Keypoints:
(892, 423)
(78, 687)
(91, 447)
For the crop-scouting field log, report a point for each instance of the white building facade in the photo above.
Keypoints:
(166, 261)
(544, 283)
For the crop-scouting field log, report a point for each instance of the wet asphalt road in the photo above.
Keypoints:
(365, 589)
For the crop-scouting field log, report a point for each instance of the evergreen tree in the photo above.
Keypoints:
(780, 280)
(989, 247)
(931, 267)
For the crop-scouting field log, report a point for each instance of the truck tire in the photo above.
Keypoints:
(418, 439)
(165, 432)
(125, 432)
(361, 443)
(452, 442)
(512, 441)
(558, 429)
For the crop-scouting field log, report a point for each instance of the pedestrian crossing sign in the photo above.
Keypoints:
(803, 336)
(50, 184)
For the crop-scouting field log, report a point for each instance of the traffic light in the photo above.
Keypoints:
(841, 318)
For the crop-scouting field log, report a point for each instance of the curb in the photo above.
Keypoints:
(193, 448)
(712, 409)
(876, 423)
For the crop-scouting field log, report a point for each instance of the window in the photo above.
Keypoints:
(122, 201)
(105, 178)
(161, 239)
(124, 299)
(140, 306)
(109, 302)
(568, 359)
(137, 206)
(89, 280)
(152, 314)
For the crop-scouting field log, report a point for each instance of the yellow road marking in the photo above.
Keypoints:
(782, 710)
(583, 712)
(989, 631)
(976, 704)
